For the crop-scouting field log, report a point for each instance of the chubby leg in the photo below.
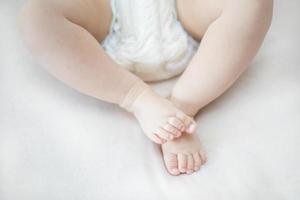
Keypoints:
(229, 44)
(64, 37)
(231, 40)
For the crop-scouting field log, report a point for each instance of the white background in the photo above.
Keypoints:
(58, 144)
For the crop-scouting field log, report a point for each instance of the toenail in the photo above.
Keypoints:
(189, 171)
(192, 128)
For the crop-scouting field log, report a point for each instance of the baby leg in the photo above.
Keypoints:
(63, 36)
(229, 44)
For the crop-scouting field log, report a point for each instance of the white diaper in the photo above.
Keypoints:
(147, 39)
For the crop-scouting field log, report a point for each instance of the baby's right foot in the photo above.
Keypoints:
(159, 119)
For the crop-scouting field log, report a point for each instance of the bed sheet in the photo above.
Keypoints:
(58, 144)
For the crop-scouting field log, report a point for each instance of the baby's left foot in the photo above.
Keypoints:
(183, 155)
(160, 120)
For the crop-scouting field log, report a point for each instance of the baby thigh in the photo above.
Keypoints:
(230, 37)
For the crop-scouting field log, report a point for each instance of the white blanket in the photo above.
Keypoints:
(58, 144)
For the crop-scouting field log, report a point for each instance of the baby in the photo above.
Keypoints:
(110, 49)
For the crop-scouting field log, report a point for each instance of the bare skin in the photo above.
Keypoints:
(231, 32)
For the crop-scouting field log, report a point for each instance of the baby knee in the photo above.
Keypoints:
(254, 14)
(263, 9)
(30, 13)
(33, 19)
(253, 7)
(265, 4)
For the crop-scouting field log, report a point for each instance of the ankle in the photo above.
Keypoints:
(185, 107)
(138, 89)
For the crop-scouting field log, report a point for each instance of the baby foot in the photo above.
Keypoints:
(183, 155)
(159, 118)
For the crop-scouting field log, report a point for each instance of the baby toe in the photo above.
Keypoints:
(171, 163)
(191, 125)
(190, 164)
(182, 162)
(171, 129)
(174, 121)
(203, 156)
(197, 161)
(155, 138)
(164, 134)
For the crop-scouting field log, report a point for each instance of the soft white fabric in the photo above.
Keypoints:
(146, 38)
(58, 144)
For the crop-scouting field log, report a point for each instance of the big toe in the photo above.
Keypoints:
(171, 163)
(189, 124)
